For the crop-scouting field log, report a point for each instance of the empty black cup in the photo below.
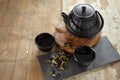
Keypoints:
(84, 56)
(44, 42)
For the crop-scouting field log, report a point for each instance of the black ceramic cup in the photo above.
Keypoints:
(84, 56)
(44, 42)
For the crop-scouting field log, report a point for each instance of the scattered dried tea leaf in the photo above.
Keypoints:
(54, 74)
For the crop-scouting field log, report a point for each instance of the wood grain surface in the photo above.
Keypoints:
(22, 20)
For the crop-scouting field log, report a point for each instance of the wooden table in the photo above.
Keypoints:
(22, 20)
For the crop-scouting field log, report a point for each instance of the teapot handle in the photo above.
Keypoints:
(101, 18)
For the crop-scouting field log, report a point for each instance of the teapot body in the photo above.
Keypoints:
(83, 24)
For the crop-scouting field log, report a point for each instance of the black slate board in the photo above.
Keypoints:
(105, 53)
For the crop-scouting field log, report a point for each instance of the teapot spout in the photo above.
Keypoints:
(65, 17)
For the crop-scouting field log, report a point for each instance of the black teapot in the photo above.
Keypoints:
(83, 21)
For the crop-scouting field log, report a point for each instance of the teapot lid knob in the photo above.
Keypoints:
(83, 8)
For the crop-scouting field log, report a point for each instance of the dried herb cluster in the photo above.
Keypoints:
(59, 60)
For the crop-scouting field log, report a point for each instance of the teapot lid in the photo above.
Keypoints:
(83, 10)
